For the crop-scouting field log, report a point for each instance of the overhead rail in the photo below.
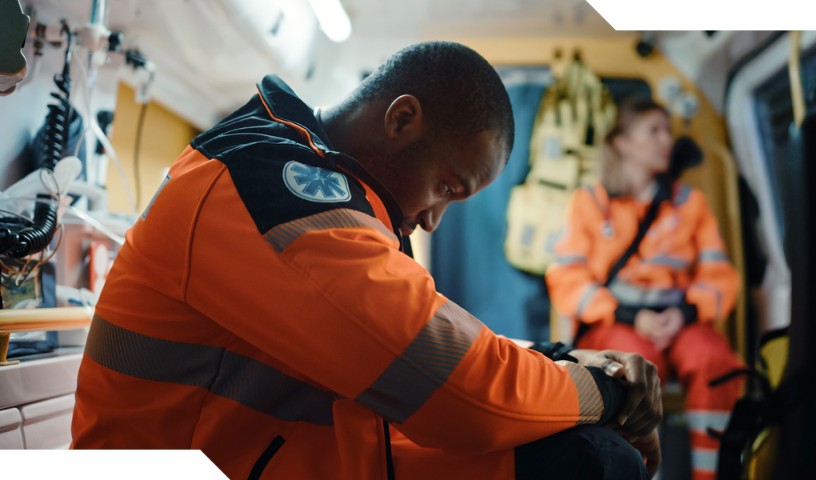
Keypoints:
(795, 74)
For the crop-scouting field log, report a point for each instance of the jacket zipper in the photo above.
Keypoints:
(265, 457)
(389, 459)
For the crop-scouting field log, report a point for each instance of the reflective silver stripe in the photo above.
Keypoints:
(699, 421)
(628, 294)
(704, 460)
(712, 256)
(669, 261)
(565, 260)
(281, 236)
(683, 194)
(555, 238)
(590, 401)
(586, 298)
(717, 296)
(155, 196)
(251, 383)
(425, 365)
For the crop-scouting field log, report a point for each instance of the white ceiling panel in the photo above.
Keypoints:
(429, 18)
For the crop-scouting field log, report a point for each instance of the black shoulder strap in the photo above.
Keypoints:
(661, 193)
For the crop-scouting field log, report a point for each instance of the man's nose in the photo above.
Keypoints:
(429, 219)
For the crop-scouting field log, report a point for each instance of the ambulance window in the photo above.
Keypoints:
(774, 113)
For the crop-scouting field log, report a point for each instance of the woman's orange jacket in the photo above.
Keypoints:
(261, 310)
(681, 259)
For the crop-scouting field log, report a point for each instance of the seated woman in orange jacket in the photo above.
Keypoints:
(664, 301)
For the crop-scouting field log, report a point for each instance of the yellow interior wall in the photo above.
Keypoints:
(164, 136)
(615, 56)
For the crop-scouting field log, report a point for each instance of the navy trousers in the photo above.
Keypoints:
(582, 453)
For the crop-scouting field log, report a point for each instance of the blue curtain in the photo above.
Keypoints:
(467, 250)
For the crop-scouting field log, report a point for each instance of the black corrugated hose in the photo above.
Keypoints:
(36, 237)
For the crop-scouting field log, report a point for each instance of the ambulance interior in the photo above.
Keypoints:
(110, 92)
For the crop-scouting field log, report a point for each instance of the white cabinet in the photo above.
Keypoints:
(47, 424)
(11, 432)
(37, 402)
(34, 380)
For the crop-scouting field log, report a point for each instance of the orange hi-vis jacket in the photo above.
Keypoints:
(262, 311)
(680, 261)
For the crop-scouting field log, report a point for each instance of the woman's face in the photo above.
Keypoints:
(647, 142)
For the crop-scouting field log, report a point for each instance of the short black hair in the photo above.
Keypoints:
(460, 92)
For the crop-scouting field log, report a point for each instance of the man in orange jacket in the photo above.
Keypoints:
(263, 309)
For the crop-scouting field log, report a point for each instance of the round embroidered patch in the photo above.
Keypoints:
(316, 184)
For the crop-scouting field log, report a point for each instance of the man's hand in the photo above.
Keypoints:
(649, 447)
(643, 409)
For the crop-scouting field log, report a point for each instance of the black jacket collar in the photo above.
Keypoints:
(285, 105)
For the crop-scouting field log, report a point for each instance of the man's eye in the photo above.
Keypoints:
(448, 190)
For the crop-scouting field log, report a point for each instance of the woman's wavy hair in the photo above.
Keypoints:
(609, 164)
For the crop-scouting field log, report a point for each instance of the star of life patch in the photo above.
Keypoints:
(316, 184)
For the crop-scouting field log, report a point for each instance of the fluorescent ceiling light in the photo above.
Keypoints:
(332, 19)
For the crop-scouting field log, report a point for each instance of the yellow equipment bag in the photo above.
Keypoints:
(572, 117)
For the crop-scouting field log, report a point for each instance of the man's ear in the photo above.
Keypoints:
(404, 119)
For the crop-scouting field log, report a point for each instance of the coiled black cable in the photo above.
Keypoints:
(8, 239)
(36, 237)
